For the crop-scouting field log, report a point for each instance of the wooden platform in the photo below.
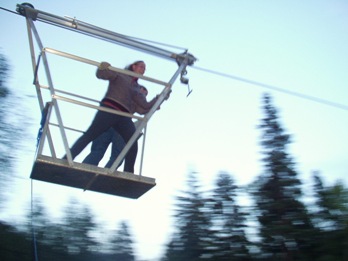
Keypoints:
(121, 184)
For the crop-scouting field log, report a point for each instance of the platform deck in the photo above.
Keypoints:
(89, 177)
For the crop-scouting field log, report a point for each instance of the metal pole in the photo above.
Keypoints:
(32, 30)
(100, 33)
(51, 89)
(91, 62)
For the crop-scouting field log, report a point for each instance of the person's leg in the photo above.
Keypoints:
(117, 146)
(101, 122)
(126, 129)
(99, 146)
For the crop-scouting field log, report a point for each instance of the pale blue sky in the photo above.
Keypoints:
(301, 46)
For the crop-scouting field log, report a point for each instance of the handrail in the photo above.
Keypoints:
(91, 62)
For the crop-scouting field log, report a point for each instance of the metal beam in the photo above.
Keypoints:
(100, 33)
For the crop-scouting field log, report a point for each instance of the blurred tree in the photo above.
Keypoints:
(330, 215)
(4, 71)
(12, 132)
(78, 230)
(38, 228)
(5, 129)
(44, 235)
(285, 226)
(228, 239)
(121, 244)
(190, 240)
(331, 205)
(14, 244)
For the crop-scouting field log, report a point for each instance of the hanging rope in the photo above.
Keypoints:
(42, 124)
(32, 224)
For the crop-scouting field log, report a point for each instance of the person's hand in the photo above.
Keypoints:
(104, 65)
(167, 96)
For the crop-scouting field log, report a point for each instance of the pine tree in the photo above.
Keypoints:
(332, 205)
(190, 240)
(284, 222)
(12, 132)
(229, 240)
(331, 219)
(78, 228)
(38, 229)
(14, 244)
(6, 142)
(122, 244)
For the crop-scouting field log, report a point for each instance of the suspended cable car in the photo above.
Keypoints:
(47, 166)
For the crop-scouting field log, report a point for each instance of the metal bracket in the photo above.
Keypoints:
(27, 10)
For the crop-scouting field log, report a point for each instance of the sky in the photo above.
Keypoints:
(299, 46)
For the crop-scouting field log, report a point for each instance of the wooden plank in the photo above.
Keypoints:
(121, 184)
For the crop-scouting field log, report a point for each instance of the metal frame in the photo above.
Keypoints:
(31, 14)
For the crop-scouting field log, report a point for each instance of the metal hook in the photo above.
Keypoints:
(189, 91)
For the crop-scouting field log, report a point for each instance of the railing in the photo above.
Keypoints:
(60, 95)
(31, 14)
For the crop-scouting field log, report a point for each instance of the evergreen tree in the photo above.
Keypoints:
(285, 227)
(229, 241)
(38, 230)
(14, 244)
(45, 236)
(121, 244)
(190, 240)
(330, 216)
(331, 204)
(12, 132)
(78, 228)
(4, 71)
(5, 129)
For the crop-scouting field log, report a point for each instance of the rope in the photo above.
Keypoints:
(32, 223)
(278, 89)
(42, 124)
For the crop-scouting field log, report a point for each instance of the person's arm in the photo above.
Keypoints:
(142, 106)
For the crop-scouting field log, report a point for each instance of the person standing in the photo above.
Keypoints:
(101, 144)
(123, 95)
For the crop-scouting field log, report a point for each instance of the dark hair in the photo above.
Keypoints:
(130, 66)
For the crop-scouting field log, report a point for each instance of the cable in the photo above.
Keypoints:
(8, 10)
(237, 78)
(134, 38)
(278, 89)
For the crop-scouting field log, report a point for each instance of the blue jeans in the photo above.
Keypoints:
(101, 123)
(101, 144)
